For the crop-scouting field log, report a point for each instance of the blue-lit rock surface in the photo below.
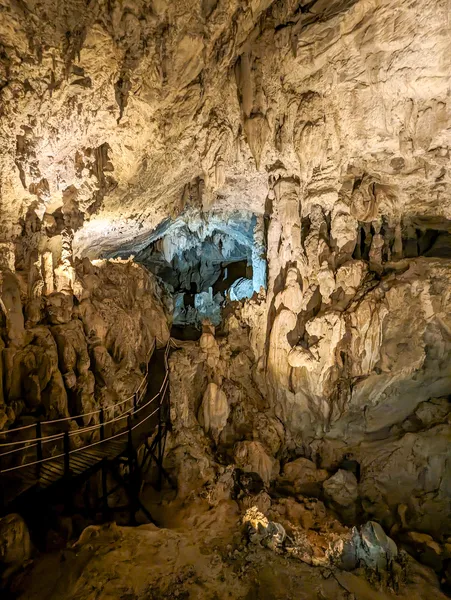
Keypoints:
(206, 259)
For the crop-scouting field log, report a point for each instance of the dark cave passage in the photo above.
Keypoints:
(207, 263)
(423, 236)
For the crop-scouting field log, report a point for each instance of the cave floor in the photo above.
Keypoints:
(198, 553)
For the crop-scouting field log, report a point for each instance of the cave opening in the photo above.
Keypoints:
(425, 236)
(206, 261)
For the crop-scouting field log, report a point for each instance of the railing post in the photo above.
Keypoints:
(132, 471)
(66, 454)
(168, 407)
(135, 402)
(160, 433)
(102, 425)
(38, 448)
(130, 438)
(105, 507)
(68, 499)
(2, 493)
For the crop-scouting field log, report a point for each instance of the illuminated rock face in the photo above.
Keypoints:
(114, 118)
(206, 259)
(330, 122)
(86, 348)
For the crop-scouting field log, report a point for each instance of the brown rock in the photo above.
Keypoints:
(304, 476)
(15, 543)
(341, 490)
(253, 458)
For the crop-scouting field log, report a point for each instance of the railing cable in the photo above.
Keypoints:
(132, 411)
(87, 414)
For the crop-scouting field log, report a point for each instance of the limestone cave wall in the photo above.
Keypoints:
(330, 121)
(83, 348)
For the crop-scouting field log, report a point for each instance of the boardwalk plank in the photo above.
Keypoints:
(54, 467)
(46, 478)
(85, 460)
(53, 470)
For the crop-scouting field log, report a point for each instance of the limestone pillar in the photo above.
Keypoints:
(259, 255)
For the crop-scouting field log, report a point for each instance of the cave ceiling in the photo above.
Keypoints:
(118, 115)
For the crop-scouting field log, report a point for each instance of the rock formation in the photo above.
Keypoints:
(86, 348)
(309, 141)
(114, 561)
(15, 544)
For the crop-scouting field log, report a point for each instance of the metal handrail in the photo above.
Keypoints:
(87, 414)
(31, 443)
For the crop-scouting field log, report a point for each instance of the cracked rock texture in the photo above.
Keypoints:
(84, 348)
(332, 121)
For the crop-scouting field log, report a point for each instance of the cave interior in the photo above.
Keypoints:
(225, 290)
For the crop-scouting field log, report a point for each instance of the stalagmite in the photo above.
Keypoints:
(214, 410)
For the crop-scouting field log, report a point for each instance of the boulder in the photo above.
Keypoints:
(303, 475)
(309, 514)
(341, 491)
(189, 462)
(374, 547)
(15, 544)
(368, 545)
(253, 458)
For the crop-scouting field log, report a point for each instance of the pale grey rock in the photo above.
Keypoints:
(342, 491)
(242, 288)
(374, 548)
(367, 546)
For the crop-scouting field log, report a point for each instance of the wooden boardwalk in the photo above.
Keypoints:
(147, 417)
